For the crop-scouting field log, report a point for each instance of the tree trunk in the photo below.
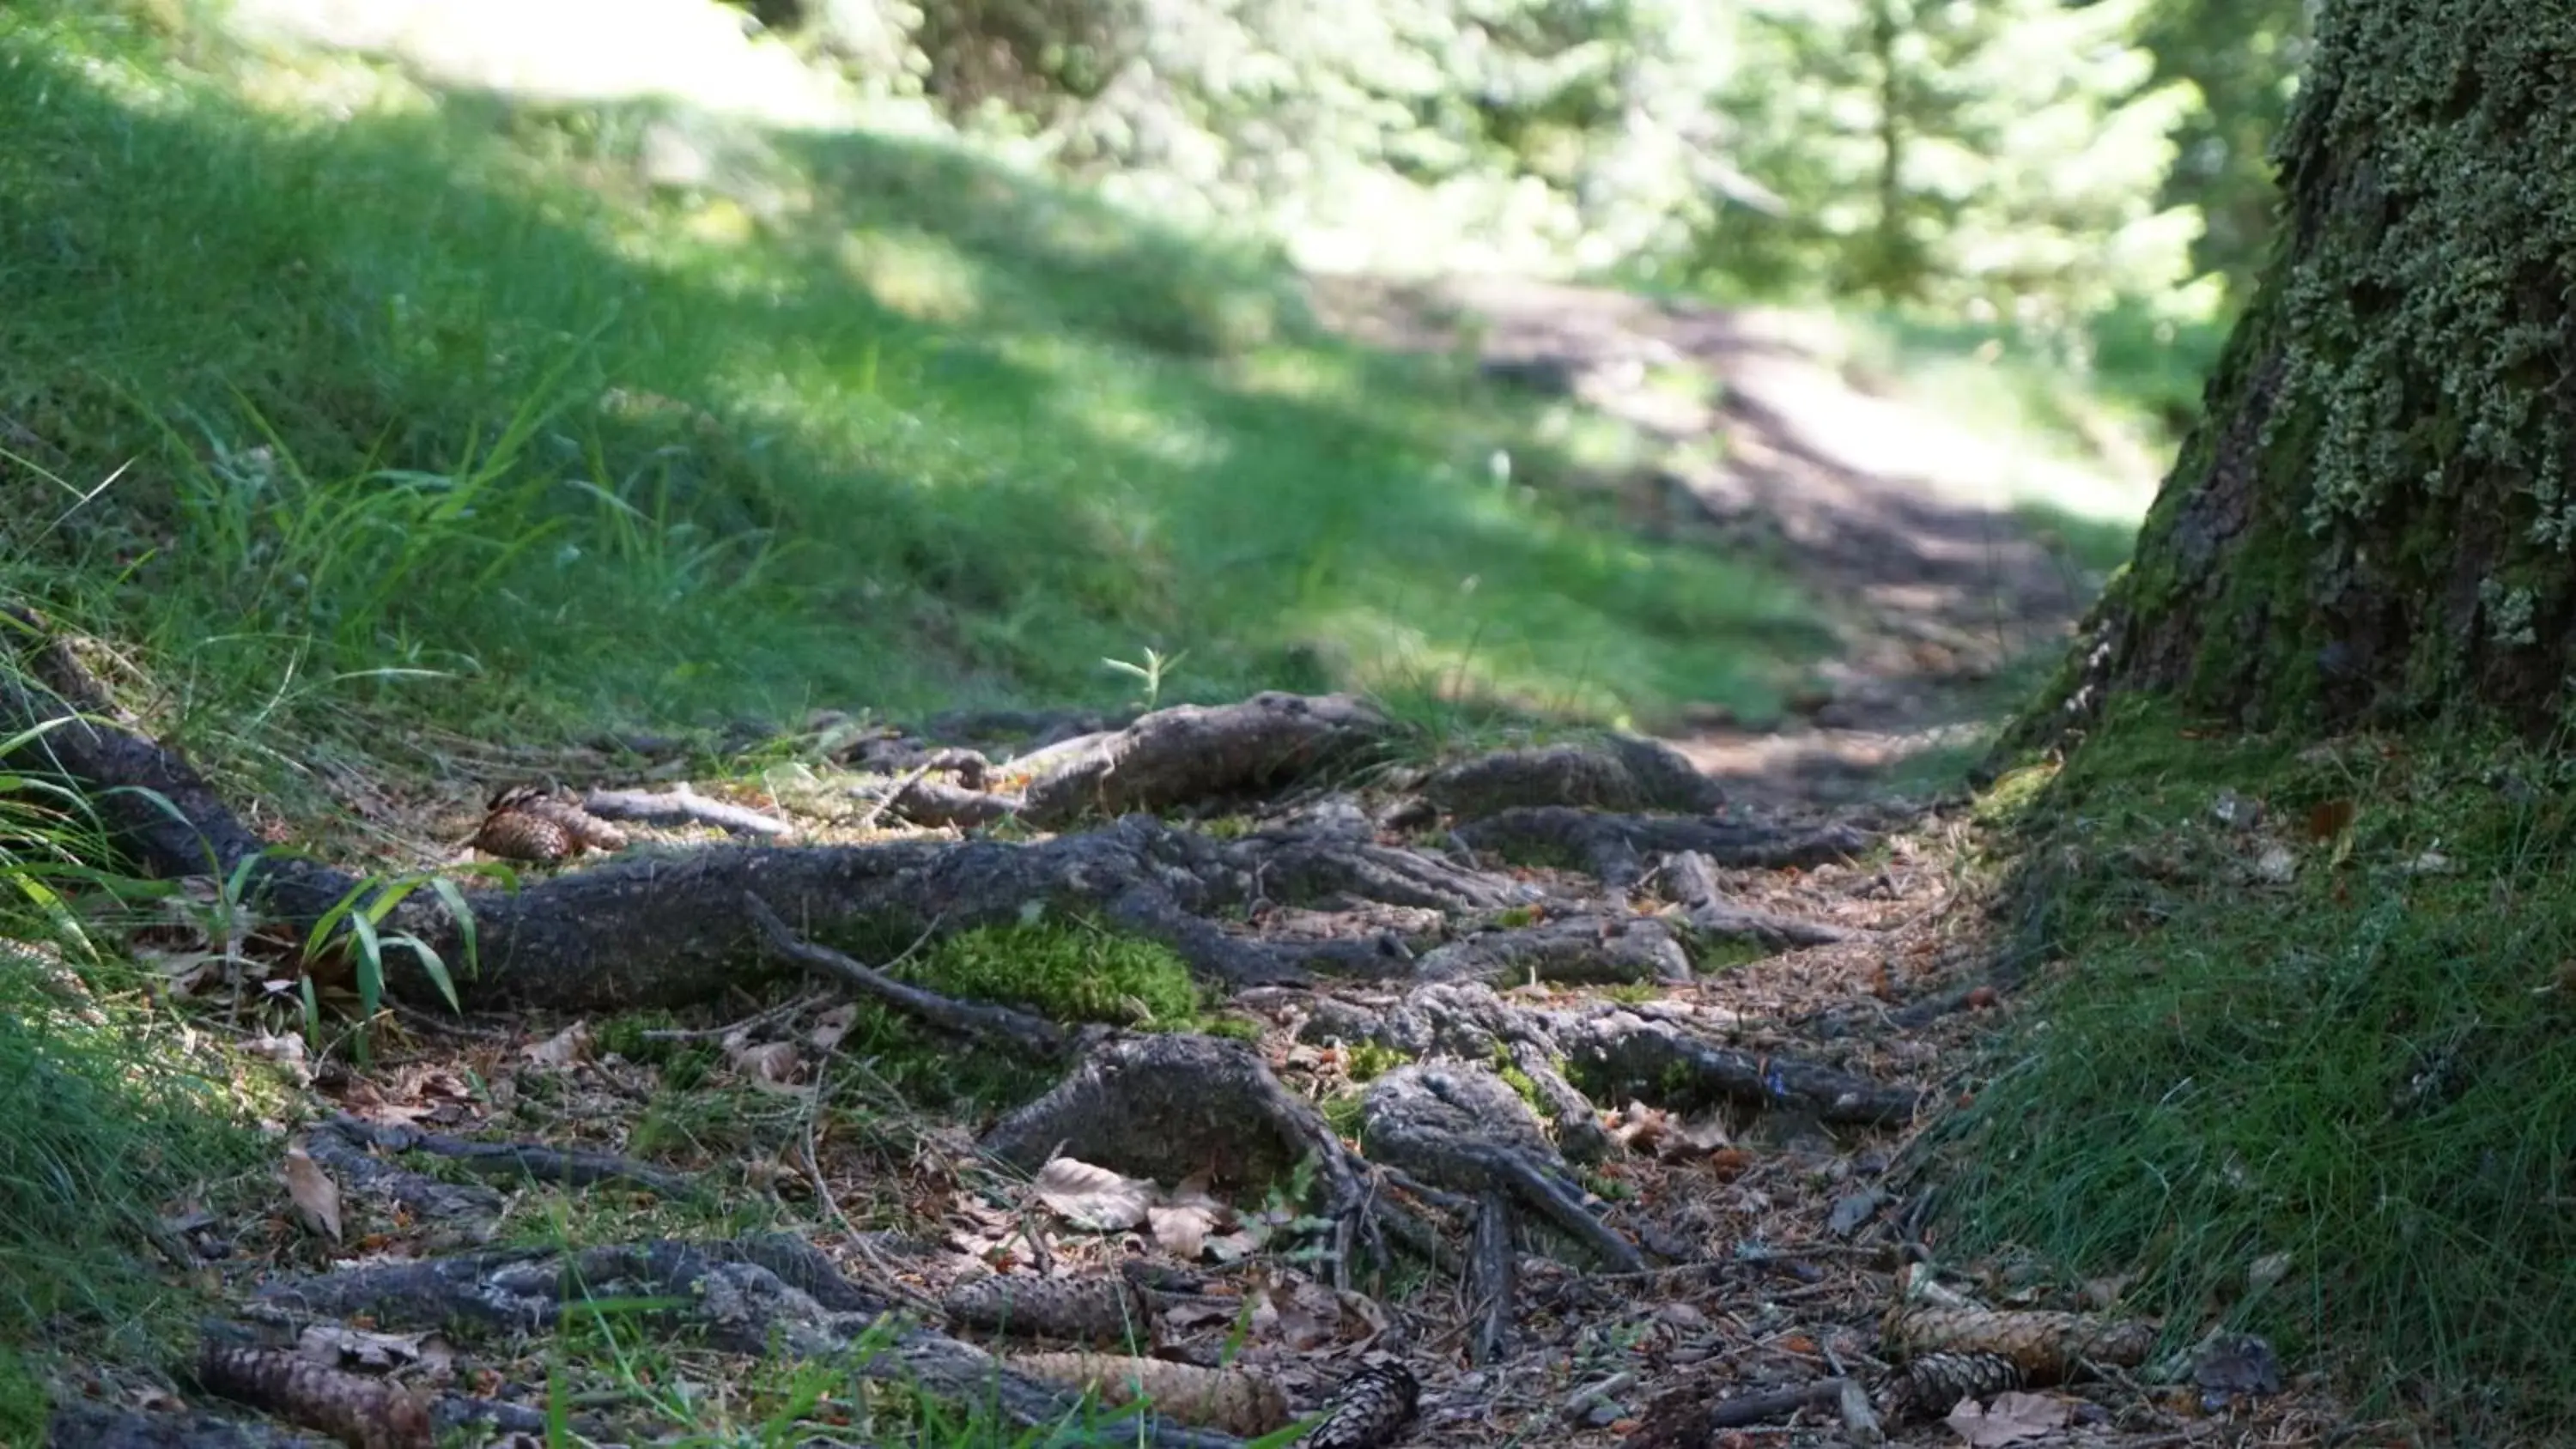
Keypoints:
(2372, 523)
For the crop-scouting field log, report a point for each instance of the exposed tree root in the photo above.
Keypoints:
(1693, 883)
(746, 1296)
(1463, 1128)
(1168, 1107)
(1580, 950)
(515, 1161)
(1630, 1055)
(98, 1426)
(1191, 754)
(1616, 772)
(1609, 845)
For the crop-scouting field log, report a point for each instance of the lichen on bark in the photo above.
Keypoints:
(2373, 521)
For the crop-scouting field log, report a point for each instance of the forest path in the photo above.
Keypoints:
(1913, 528)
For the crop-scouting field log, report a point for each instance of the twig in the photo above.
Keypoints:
(868, 818)
(682, 804)
(1754, 1408)
(748, 1023)
(1013, 1029)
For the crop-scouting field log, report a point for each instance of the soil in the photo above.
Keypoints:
(1764, 439)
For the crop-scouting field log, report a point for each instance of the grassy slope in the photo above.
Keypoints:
(963, 437)
(359, 438)
(2336, 1108)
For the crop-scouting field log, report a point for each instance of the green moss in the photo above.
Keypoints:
(1371, 1060)
(1232, 1028)
(1068, 969)
(628, 1036)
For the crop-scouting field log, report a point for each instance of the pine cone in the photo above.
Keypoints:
(1934, 1383)
(530, 822)
(358, 1410)
(587, 830)
(1371, 1411)
(514, 834)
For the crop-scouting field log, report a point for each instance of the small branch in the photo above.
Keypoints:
(1000, 1025)
(869, 817)
(1758, 1408)
(682, 805)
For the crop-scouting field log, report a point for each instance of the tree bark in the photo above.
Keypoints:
(2371, 525)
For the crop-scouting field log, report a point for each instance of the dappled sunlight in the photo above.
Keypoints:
(568, 51)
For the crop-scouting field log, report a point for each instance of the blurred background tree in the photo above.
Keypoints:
(2032, 163)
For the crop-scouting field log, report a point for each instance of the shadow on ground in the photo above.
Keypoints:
(1944, 560)
(820, 418)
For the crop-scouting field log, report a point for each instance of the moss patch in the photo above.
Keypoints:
(1069, 970)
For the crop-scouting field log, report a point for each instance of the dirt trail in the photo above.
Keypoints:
(1898, 519)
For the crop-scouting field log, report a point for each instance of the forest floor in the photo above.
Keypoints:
(1624, 1051)
(1938, 546)
(1580, 1080)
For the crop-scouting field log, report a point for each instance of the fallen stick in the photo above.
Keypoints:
(682, 805)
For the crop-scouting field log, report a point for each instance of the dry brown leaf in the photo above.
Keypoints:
(1310, 1316)
(769, 1063)
(1093, 1197)
(570, 1045)
(2011, 1419)
(1236, 1246)
(1645, 1129)
(315, 1196)
(1186, 1216)
(832, 1026)
(286, 1051)
(1706, 1133)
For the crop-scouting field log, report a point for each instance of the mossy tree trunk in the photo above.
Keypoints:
(2372, 524)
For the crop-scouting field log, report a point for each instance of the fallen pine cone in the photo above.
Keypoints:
(1371, 1411)
(525, 822)
(1934, 1384)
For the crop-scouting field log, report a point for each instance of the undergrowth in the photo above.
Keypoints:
(2314, 1075)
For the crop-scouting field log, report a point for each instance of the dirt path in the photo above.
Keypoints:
(1901, 521)
(1609, 1100)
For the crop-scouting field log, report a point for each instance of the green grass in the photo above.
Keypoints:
(113, 1122)
(2370, 1069)
(437, 414)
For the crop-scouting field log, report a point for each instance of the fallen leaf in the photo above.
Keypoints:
(2010, 1419)
(315, 1196)
(2329, 819)
(1853, 1210)
(1706, 1133)
(833, 1025)
(2276, 865)
(1093, 1197)
(2267, 1271)
(769, 1062)
(1184, 1219)
(2237, 1363)
(1641, 1128)
(562, 1049)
